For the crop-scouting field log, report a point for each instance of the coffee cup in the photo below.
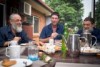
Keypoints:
(13, 51)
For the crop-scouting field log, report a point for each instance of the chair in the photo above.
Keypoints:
(29, 30)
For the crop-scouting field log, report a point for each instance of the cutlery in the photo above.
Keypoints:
(25, 62)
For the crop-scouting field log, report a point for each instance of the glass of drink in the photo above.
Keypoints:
(32, 51)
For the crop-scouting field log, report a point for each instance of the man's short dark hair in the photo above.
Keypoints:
(55, 13)
(89, 19)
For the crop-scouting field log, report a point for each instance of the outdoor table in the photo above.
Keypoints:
(59, 61)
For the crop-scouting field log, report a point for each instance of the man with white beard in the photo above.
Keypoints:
(89, 25)
(13, 31)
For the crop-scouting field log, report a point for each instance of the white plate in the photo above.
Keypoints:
(23, 44)
(19, 62)
(89, 50)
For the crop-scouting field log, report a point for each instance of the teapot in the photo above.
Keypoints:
(13, 51)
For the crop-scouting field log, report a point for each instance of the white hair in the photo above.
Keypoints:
(12, 15)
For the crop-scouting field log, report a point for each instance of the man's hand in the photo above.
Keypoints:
(39, 43)
(53, 35)
(17, 38)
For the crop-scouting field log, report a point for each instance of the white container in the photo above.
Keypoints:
(51, 41)
(13, 51)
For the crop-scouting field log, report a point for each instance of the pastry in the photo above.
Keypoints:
(8, 62)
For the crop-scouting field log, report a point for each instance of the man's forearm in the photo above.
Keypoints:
(45, 39)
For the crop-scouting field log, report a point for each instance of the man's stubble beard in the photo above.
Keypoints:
(89, 30)
(54, 23)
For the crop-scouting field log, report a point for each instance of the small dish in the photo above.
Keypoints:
(20, 63)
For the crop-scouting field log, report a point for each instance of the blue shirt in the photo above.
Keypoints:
(47, 31)
(7, 35)
(95, 32)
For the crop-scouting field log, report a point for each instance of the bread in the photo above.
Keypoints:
(8, 63)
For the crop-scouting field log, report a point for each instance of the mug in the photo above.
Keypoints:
(13, 51)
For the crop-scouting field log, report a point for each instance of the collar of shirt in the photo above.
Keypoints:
(9, 29)
(50, 26)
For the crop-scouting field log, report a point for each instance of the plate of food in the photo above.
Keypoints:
(49, 48)
(89, 51)
(15, 63)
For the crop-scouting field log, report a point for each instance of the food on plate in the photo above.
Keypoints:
(89, 50)
(50, 48)
(42, 47)
(7, 62)
(57, 48)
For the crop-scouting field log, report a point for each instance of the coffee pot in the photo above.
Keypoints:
(89, 36)
(73, 44)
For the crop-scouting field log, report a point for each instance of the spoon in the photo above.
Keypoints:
(25, 62)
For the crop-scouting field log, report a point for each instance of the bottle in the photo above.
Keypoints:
(66, 32)
(51, 41)
(64, 47)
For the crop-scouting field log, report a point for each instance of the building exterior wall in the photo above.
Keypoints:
(42, 23)
(19, 6)
(48, 20)
(42, 20)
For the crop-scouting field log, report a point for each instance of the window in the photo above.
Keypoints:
(35, 24)
(2, 15)
(27, 8)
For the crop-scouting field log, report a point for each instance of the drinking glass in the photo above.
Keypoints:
(32, 51)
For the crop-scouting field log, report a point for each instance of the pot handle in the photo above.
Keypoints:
(95, 41)
(86, 45)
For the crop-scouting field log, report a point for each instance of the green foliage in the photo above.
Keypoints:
(97, 14)
(70, 11)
